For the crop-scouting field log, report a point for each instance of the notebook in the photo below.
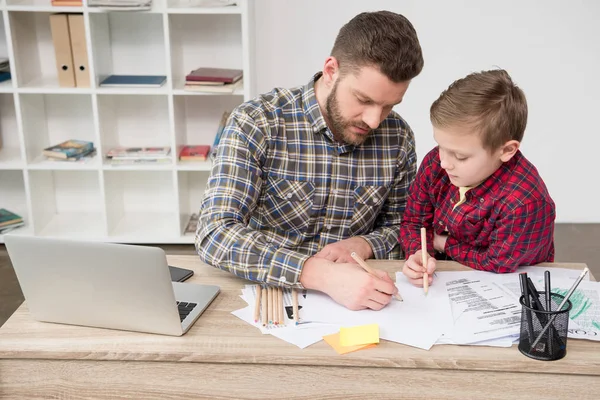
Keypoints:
(134, 81)
(215, 75)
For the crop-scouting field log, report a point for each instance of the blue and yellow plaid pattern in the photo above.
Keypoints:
(281, 188)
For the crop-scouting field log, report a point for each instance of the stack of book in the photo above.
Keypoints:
(139, 155)
(9, 221)
(4, 69)
(71, 150)
(121, 5)
(214, 80)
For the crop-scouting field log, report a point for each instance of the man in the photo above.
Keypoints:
(303, 177)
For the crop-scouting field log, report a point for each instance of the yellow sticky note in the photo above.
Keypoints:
(357, 335)
(334, 341)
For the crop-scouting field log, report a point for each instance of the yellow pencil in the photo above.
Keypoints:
(295, 304)
(424, 258)
(257, 303)
(370, 270)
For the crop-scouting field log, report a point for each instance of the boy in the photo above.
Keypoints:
(482, 202)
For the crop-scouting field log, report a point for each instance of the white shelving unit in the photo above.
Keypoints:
(94, 199)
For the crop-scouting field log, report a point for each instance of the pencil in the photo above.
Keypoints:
(370, 270)
(257, 303)
(424, 255)
(264, 307)
(295, 304)
(281, 306)
(270, 304)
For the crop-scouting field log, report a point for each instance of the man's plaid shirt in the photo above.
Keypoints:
(281, 188)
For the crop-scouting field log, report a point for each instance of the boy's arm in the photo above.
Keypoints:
(223, 239)
(419, 212)
(516, 240)
(384, 237)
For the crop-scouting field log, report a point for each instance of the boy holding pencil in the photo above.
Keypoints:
(482, 203)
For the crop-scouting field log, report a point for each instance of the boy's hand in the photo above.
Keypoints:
(413, 269)
(439, 242)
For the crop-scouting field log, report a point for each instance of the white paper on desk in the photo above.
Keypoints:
(585, 312)
(482, 310)
(557, 273)
(417, 321)
(500, 342)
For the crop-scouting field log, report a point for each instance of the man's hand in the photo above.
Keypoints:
(339, 252)
(413, 269)
(348, 284)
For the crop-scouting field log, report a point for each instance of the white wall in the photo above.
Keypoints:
(551, 48)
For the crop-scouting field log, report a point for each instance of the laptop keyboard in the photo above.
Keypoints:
(185, 309)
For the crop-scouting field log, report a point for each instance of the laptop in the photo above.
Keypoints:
(104, 285)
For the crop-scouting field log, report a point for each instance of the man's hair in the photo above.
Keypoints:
(381, 39)
(487, 102)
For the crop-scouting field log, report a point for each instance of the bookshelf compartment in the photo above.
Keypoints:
(10, 148)
(191, 191)
(14, 199)
(204, 41)
(128, 43)
(197, 120)
(49, 119)
(141, 205)
(5, 86)
(35, 59)
(131, 120)
(67, 203)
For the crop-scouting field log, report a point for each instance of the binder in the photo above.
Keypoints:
(59, 27)
(79, 50)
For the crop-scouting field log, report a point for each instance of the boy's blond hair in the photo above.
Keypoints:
(487, 102)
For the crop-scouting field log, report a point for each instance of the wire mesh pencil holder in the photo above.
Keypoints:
(544, 333)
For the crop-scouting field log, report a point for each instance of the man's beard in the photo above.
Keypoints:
(339, 126)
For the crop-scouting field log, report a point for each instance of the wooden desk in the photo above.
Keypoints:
(223, 357)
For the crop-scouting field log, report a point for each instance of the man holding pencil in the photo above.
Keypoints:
(304, 177)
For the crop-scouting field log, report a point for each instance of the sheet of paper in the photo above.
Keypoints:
(417, 321)
(481, 309)
(359, 335)
(585, 313)
(334, 341)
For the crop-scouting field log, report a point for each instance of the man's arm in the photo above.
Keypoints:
(516, 240)
(384, 237)
(234, 186)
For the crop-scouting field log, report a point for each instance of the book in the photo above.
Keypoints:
(138, 153)
(192, 224)
(67, 3)
(224, 75)
(8, 218)
(8, 228)
(194, 153)
(69, 148)
(225, 88)
(134, 81)
(222, 123)
(5, 76)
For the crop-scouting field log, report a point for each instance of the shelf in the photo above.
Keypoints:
(13, 197)
(10, 158)
(203, 166)
(191, 190)
(67, 203)
(130, 120)
(41, 163)
(204, 41)
(140, 203)
(92, 198)
(33, 48)
(10, 153)
(197, 118)
(49, 85)
(127, 43)
(49, 119)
